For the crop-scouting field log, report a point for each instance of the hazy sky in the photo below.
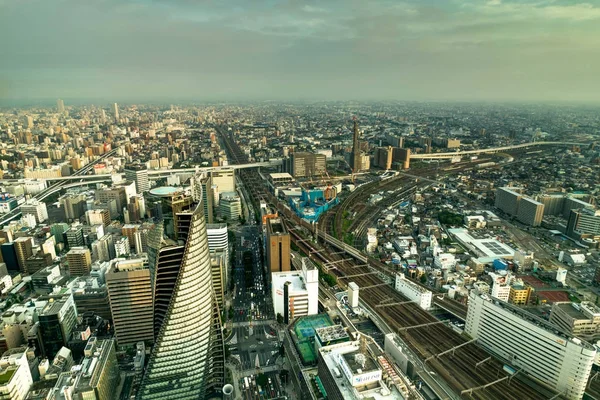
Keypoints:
(299, 49)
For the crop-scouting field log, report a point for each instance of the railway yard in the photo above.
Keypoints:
(468, 370)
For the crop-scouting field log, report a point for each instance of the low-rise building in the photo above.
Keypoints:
(413, 291)
(519, 294)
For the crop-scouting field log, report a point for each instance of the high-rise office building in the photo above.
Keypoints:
(79, 260)
(218, 238)
(355, 158)
(73, 204)
(296, 293)
(139, 174)
(23, 250)
(164, 260)
(100, 216)
(305, 164)
(115, 108)
(384, 157)
(36, 208)
(531, 344)
(230, 206)
(187, 361)
(56, 322)
(74, 236)
(224, 180)
(9, 256)
(60, 106)
(573, 203)
(130, 297)
(278, 246)
(97, 377)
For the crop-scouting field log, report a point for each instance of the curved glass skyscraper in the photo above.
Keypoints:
(187, 360)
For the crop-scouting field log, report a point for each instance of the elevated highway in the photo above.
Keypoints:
(168, 171)
(490, 150)
(56, 187)
(152, 173)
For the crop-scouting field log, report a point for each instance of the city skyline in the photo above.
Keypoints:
(161, 51)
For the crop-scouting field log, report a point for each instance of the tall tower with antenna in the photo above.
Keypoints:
(355, 161)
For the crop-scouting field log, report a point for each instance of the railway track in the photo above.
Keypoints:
(458, 369)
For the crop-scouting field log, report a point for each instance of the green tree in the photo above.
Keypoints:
(279, 318)
(424, 278)
(329, 279)
(449, 218)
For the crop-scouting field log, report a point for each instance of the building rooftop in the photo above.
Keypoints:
(486, 247)
(216, 226)
(122, 265)
(578, 311)
(303, 334)
(331, 333)
(165, 191)
(413, 285)
(297, 283)
(360, 365)
(276, 227)
(7, 373)
(532, 201)
(281, 175)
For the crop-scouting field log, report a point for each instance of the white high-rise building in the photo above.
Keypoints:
(218, 239)
(17, 379)
(230, 206)
(60, 106)
(530, 344)
(137, 173)
(36, 208)
(116, 111)
(296, 293)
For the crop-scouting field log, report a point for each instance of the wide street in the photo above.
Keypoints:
(254, 342)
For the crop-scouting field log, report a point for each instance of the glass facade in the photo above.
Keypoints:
(187, 361)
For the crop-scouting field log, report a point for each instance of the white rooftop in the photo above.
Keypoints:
(281, 175)
(486, 247)
(295, 278)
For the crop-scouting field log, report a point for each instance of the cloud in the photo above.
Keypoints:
(428, 49)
